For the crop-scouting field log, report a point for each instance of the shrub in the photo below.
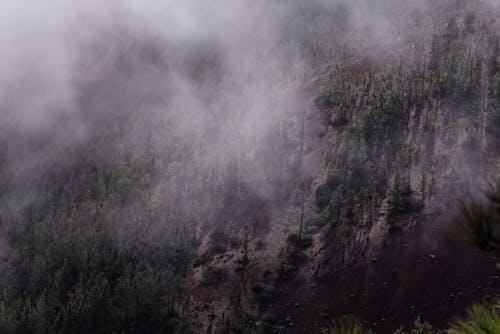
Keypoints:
(295, 256)
(346, 325)
(324, 192)
(481, 319)
(395, 228)
(201, 260)
(476, 224)
(403, 201)
(213, 276)
(303, 242)
(419, 327)
(263, 293)
(287, 271)
(338, 119)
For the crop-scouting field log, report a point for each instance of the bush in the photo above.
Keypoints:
(303, 242)
(338, 119)
(201, 260)
(395, 228)
(476, 224)
(213, 276)
(324, 192)
(346, 325)
(403, 201)
(481, 319)
(419, 327)
(326, 99)
(296, 256)
(263, 293)
(287, 271)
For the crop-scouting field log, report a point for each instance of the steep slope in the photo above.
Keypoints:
(392, 141)
(246, 166)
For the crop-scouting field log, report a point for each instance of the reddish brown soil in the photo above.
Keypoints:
(420, 272)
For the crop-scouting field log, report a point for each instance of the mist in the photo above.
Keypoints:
(219, 83)
(164, 133)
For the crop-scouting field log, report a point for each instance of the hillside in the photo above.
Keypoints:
(248, 167)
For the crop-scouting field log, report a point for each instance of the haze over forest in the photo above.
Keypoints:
(237, 166)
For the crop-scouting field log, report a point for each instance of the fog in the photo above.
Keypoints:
(169, 127)
(221, 77)
(42, 44)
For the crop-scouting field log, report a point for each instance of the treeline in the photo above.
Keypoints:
(101, 248)
(410, 121)
(100, 235)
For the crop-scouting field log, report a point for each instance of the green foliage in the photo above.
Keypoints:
(402, 200)
(324, 191)
(300, 242)
(346, 325)
(481, 319)
(235, 320)
(419, 327)
(214, 276)
(97, 244)
(93, 252)
(337, 96)
(263, 293)
(293, 255)
(244, 259)
(476, 224)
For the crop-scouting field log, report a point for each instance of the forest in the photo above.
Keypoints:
(245, 167)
